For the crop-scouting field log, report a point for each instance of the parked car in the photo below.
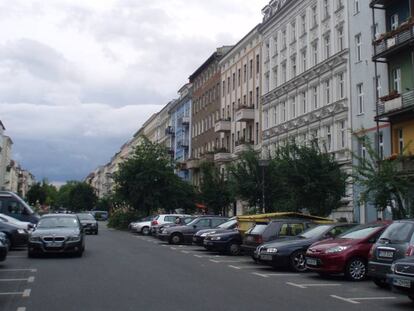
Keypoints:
(290, 251)
(88, 222)
(264, 232)
(161, 220)
(16, 222)
(396, 242)
(57, 233)
(3, 251)
(100, 215)
(198, 237)
(181, 221)
(401, 277)
(347, 254)
(228, 241)
(14, 206)
(184, 234)
(15, 236)
(142, 226)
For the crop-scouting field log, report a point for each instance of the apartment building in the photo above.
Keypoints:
(205, 111)
(305, 80)
(239, 125)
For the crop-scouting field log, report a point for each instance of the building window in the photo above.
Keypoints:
(275, 45)
(267, 82)
(238, 77)
(340, 33)
(327, 91)
(251, 98)
(266, 120)
(342, 134)
(283, 39)
(293, 61)
(327, 43)
(303, 24)
(257, 132)
(358, 46)
(400, 141)
(292, 32)
(394, 21)
(251, 69)
(325, 9)
(396, 80)
(283, 112)
(360, 100)
(284, 73)
(257, 97)
(303, 96)
(315, 52)
(293, 106)
(341, 86)
(328, 138)
(275, 72)
(304, 65)
(356, 6)
(234, 81)
(224, 87)
(315, 97)
(314, 16)
(228, 85)
(339, 4)
(257, 64)
(245, 73)
(275, 116)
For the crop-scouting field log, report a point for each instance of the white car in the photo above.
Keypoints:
(20, 224)
(162, 219)
(142, 226)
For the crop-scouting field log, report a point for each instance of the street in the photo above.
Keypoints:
(122, 271)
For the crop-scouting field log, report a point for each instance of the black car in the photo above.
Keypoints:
(228, 241)
(184, 234)
(198, 238)
(264, 232)
(15, 236)
(290, 251)
(401, 277)
(88, 222)
(394, 243)
(57, 233)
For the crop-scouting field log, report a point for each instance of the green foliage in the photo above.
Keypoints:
(82, 197)
(215, 189)
(147, 182)
(381, 181)
(42, 193)
(121, 218)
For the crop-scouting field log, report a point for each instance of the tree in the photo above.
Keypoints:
(147, 181)
(82, 197)
(381, 181)
(36, 194)
(215, 189)
(63, 199)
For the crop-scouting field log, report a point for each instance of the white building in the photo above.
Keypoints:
(305, 81)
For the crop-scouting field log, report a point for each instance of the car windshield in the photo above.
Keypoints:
(58, 222)
(85, 217)
(258, 229)
(314, 232)
(227, 224)
(359, 232)
(188, 220)
(398, 232)
(193, 222)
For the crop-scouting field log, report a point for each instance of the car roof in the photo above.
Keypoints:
(59, 215)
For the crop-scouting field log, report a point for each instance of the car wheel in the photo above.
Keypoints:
(145, 231)
(176, 238)
(380, 282)
(298, 261)
(8, 243)
(234, 249)
(356, 269)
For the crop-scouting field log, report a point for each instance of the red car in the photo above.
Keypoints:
(347, 254)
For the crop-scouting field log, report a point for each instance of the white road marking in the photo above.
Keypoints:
(11, 293)
(173, 248)
(21, 309)
(185, 252)
(16, 256)
(242, 267)
(164, 245)
(31, 279)
(228, 261)
(16, 270)
(356, 300)
(17, 280)
(266, 275)
(207, 256)
(313, 285)
(26, 292)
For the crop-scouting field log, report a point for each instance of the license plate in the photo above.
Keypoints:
(386, 254)
(54, 245)
(401, 283)
(250, 238)
(194, 239)
(266, 257)
(311, 262)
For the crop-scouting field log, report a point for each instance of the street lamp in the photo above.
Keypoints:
(263, 163)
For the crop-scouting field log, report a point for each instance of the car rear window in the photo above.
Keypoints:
(398, 232)
(170, 218)
(258, 229)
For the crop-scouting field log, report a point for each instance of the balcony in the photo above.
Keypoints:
(207, 157)
(185, 120)
(244, 114)
(243, 146)
(393, 41)
(395, 104)
(169, 131)
(222, 155)
(183, 143)
(193, 163)
(222, 126)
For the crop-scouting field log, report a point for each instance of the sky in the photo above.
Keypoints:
(80, 77)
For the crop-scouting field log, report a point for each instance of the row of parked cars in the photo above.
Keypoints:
(383, 251)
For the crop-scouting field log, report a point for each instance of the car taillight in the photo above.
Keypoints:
(371, 252)
(410, 251)
(258, 239)
(154, 223)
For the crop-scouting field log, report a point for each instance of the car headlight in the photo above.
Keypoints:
(21, 231)
(336, 249)
(34, 238)
(216, 238)
(74, 238)
(271, 250)
(393, 268)
(207, 233)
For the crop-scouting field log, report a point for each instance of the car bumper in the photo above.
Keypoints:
(218, 246)
(3, 253)
(378, 270)
(90, 229)
(325, 264)
(163, 236)
(19, 239)
(248, 249)
(276, 260)
(198, 240)
(401, 284)
(66, 247)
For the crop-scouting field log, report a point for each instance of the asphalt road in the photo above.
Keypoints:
(121, 271)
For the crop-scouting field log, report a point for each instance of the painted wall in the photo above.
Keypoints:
(402, 60)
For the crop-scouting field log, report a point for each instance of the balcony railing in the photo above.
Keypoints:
(193, 163)
(394, 102)
(169, 130)
(185, 120)
(242, 146)
(393, 40)
(245, 113)
(183, 143)
(222, 126)
(222, 155)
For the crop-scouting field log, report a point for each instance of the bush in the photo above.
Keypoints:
(120, 219)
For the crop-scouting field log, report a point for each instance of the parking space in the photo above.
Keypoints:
(17, 277)
(334, 288)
